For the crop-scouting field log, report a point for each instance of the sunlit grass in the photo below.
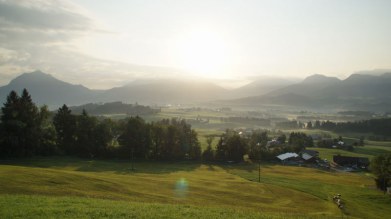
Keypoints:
(207, 186)
(361, 198)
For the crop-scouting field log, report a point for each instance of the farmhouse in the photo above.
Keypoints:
(356, 162)
(309, 155)
(289, 158)
(272, 143)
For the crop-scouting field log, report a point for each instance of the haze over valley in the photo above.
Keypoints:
(195, 109)
(368, 91)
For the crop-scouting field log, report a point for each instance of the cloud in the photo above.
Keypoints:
(24, 23)
(40, 35)
(45, 35)
(43, 15)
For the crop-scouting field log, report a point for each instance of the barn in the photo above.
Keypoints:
(355, 162)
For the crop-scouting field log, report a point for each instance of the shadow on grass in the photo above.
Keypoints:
(367, 150)
(112, 165)
(248, 167)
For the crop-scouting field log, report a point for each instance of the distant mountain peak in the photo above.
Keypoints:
(35, 77)
(319, 78)
(388, 74)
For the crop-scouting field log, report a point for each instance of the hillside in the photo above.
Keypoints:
(364, 92)
(164, 92)
(45, 89)
(173, 189)
(358, 92)
(260, 86)
(113, 108)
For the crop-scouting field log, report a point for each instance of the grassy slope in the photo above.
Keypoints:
(358, 193)
(370, 149)
(210, 188)
(25, 206)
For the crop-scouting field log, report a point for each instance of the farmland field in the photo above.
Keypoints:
(71, 187)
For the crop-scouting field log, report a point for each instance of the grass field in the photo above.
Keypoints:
(371, 149)
(71, 187)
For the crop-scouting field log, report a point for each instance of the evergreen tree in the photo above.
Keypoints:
(65, 125)
(20, 125)
(85, 136)
(381, 168)
(195, 147)
(47, 133)
(300, 141)
(309, 125)
(135, 138)
(208, 154)
(157, 139)
(103, 136)
(221, 149)
(257, 141)
(12, 127)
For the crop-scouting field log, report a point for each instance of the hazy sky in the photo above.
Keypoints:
(108, 43)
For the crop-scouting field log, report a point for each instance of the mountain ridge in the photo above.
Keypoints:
(315, 90)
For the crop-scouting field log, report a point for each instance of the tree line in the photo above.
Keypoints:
(26, 130)
(379, 126)
(232, 146)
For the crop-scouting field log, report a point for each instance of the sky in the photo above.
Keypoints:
(102, 44)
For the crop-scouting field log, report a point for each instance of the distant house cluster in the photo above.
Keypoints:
(308, 157)
(351, 162)
(303, 157)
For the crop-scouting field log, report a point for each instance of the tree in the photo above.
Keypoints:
(157, 139)
(361, 142)
(65, 125)
(381, 168)
(281, 139)
(195, 147)
(11, 126)
(237, 147)
(20, 125)
(221, 149)
(309, 125)
(231, 147)
(85, 137)
(258, 140)
(135, 138)
(208, 154)
(103, 136)
(317, 124)
(299, 141)
(47, 133)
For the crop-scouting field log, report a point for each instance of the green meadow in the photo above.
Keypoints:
(59, 187)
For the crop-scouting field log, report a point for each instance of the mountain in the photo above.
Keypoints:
(261, 86)
(309, 85)
(164, 92)
(367, 92)
(358, 91)
(113, 108)
(45, 89)
(376, 72)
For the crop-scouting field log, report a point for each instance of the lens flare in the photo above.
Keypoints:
(181, 187)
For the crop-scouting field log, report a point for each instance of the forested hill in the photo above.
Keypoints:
(48, 90)
(358, 92)
(53, 92)
(114, 108)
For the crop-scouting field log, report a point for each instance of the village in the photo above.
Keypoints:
(310, 158)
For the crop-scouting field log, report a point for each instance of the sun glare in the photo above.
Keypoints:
(202, 52)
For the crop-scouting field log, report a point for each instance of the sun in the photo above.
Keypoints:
(202, 52)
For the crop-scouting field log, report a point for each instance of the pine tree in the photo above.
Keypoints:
(65, 125)
(20, 125)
